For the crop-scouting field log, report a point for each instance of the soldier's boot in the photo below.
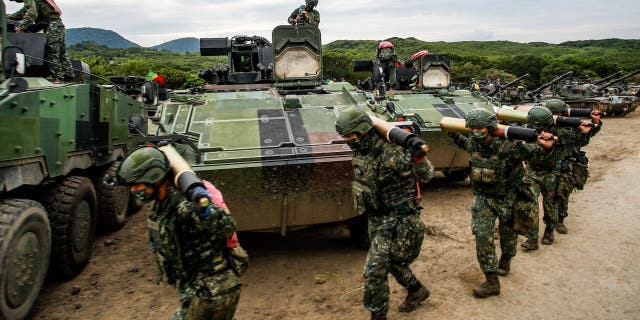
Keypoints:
(378, 316)
(490, 288)
(417, 293)
(548, 236)
(560, 227)
(530, 244)
(504, 265)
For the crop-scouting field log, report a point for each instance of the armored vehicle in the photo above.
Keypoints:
(57, 141)
(263, 129)
(593, 96)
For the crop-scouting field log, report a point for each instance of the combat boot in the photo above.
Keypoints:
(504, 265)
(490, 288)
(378, 316)
(548, 236)
(417, 293)
(530, 244)
(560, 227)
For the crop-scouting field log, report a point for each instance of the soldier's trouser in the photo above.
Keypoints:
(390, 70)
(56, 52)
(484, 212)
(547, 182)
(565, 188)
(392, 250)
(209, 298)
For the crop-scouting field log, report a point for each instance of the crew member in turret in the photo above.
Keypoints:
(305, 14)
(45, 14)
(386, 188)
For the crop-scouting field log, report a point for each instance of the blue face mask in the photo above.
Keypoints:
(142, 195)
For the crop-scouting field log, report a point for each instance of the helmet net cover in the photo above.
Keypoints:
(312, 3)
(540, 117)
(481, 118)
(353, 120)
(556, 106)
(144, 165)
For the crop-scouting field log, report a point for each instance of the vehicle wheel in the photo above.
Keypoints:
(72, 212)
(113, 201)
(457, 175)
(25, 247)
(359, 232)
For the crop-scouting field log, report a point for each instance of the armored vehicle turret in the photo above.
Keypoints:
(264, 132)
(593, 96)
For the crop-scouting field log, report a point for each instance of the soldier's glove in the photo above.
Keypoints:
(418, 149)
(202, 199)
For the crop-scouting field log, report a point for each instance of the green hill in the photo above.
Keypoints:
(103, 37)
(180, 45)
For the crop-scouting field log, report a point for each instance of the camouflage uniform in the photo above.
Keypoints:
(312, 20)
(40, 12)
(543, 170)
(191, 254)
(387, 59)
(494, 200)
(569, 167)
(386, 189)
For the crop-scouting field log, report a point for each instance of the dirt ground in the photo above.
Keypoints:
(593, 272)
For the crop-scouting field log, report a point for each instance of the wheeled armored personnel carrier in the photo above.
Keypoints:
(57, 142)
(263, 129)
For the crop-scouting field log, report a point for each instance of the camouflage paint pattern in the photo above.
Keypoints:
(191, 254)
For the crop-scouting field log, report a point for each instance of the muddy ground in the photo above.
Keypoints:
(591, 273)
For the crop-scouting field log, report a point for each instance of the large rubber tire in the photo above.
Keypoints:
(25, 247)
(72, 211)
(359, 232)
(113, 201)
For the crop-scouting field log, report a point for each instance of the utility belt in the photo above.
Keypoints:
(538, 167)
(214, 265)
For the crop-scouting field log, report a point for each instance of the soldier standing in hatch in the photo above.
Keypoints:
(496, 172)
(305, 15)
(190, 243)
(47, 13)
(572, 171)
(386, 188)
(386, 58)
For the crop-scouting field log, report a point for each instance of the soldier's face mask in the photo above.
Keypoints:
(479, 135)
(143, 192)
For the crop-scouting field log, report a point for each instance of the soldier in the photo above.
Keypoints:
(496, 173)
(306, 14)
(386, 188)
(573, 166)
(542, 170)
(414, 61)
(386, 59)
(37, 13)
(189, 243)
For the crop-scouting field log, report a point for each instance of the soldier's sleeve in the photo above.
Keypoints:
(458, 139)
(16, 15)
(423, 170)
(30, 14)
(316, 18)
(292, 17)
(216, 221)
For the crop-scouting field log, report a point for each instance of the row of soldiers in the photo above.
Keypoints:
(507, 178)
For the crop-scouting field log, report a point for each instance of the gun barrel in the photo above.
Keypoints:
(548, 84)
(603, 80)
(599, 88)
(514, 80)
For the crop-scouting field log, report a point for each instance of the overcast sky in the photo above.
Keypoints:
(152, 22)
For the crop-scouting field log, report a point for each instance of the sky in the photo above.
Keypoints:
(152, 22)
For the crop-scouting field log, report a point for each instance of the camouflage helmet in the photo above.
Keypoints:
(481, 118)
(353, 120)
(556, 106)
(143, 165)
(311, 3)
(540, 117)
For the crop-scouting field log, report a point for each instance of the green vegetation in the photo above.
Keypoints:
(470, 59)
